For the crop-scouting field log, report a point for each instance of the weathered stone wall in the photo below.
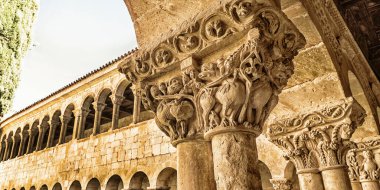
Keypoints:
(122, 152)
(16, 19)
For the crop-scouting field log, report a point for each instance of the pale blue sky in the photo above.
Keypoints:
(72, 37)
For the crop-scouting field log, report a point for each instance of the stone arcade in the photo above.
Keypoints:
(227, 95)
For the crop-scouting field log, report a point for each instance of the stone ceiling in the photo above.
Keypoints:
(363, 20)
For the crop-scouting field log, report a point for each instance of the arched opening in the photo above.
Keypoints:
(22, 188)
(167, 179)
(3, 147)
(35, 132)
(56, 125)
(32, 188)
(75, 186)
(125, 114)
(115, 183)
(44, 129)
(291, 175)
(265, 176)
(93, 184)
(106, 113)
(57, 186)
(68, 119)
(17, 143)
(44, 187)
(25, 140)
(369, 126)
(139, 181)
(88, 118)
(9, 146)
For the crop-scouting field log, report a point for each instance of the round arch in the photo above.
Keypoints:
(44, 187)
(115, 183)
(139, 180)
(75, 185)
(93, 184)
(89, 119)
(57, 186)
(290, 174)
(68, 117)
(167, 179)
(265, 175)
(369, 126)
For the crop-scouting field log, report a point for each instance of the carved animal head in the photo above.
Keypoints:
(175, 86)
(280, 73)
(208, 72)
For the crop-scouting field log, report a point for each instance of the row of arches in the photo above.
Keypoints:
(97, 113)
(167, 179)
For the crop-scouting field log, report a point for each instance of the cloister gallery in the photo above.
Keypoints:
(227, 95)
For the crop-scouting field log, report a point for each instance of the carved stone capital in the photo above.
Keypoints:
(235, 92)
(65, 119)
(319, 138)
(281, 184)
(117, 100)
(98, 106)
(362, 163)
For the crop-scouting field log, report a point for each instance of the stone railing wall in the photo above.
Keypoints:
(122, 152)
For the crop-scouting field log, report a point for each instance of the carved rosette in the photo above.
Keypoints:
(319, 138)
(235, 92)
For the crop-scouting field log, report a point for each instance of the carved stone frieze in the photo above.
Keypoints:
(319, 138)
(234, 92)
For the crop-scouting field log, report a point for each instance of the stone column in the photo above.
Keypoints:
(30, 141)
(22, 145)
(356, 185)
(136, 103)
(235, 154)
(53, 127)
(116, 101)
(80, 118)
(13, 148)
(322, 144)
(41, 135)
(336, 177)
(281, 184)
(4, 158)
(310, 179)
(99, 107)
(194, 165)
(64, 122)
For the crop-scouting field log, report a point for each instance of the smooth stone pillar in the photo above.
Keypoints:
(99, 107)
(117, 101)
(235, 159)
(370, 185)
(310, 179)
(194, 165)
(356, 185)
(336, 177)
